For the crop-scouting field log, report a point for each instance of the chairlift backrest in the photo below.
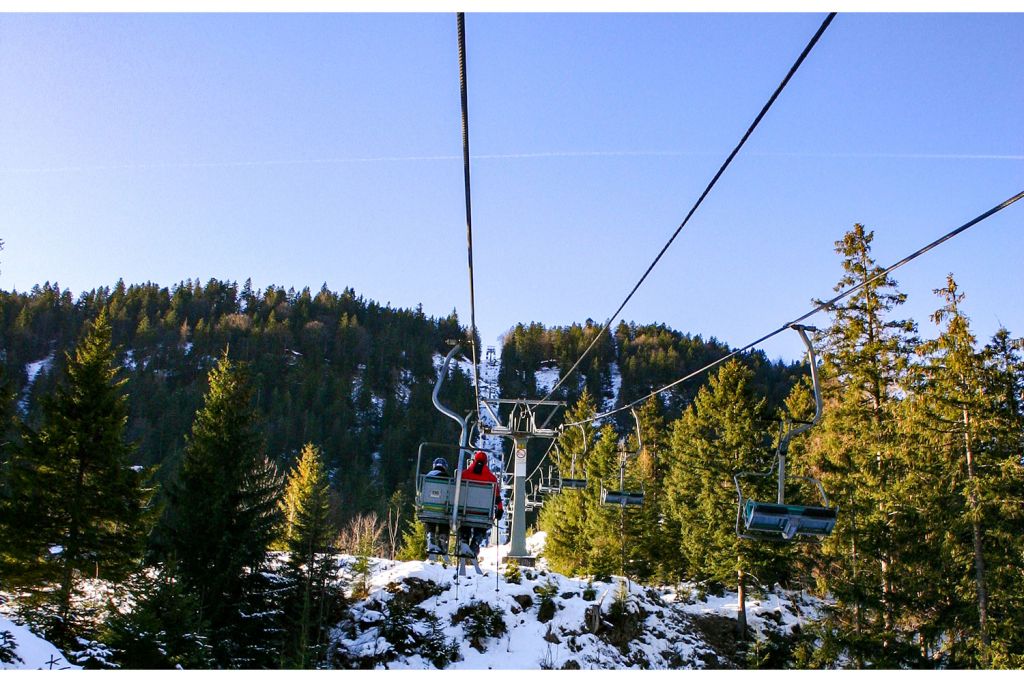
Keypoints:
(436, 502)
(789, 519)
(622, 498)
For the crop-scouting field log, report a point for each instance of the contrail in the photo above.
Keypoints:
(491, 157)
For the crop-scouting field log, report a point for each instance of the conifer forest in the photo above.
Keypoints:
(207, 451)
(215, 475)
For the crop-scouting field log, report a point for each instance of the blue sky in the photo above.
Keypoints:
(302, 149)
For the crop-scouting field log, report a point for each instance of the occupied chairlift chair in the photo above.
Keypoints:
(436, 498)
(778, 520)
(622, 497)
(453, 501)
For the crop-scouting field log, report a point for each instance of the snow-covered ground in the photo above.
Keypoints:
(31, 652)
(416, 609)
(546, 378)
(666, 633)
(616, 381)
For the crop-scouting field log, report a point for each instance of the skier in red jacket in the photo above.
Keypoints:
(479, 471)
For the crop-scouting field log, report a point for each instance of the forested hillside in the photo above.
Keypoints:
(163, 444)
(348, 374)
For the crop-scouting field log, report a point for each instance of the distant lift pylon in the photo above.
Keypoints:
(779, 520)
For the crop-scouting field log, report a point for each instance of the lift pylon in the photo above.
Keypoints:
(521, 425)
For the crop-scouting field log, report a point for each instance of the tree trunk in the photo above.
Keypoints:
(888, 619)
(741, 613)
(70, 554)
(979, 559)
(857, 658)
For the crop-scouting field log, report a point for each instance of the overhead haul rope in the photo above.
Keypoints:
(700, 200)
(949, 235)
(461, 21)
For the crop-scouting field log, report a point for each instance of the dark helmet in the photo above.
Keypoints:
(441, 463)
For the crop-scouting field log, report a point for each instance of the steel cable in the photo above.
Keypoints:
(822, 306)
(460, 18)
(700, 200)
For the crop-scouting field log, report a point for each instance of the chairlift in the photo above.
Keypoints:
(453, 502)
(625, 498)
(780, 520)
(551, 483)
(556, 482)
(534, 496)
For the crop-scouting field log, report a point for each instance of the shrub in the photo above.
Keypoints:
(482, 621)
(512, 574)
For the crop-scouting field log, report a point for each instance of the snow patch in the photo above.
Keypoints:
(375, 466)
(33, 652)
(32, 371)
(404, 389)
(546, 378)
(615, 377)
(667, 638)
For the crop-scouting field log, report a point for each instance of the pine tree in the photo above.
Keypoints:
(564, 516)
(721, 434)
(609, 529)
(1002, 499)
(963, 407)
(223, 516)
(648, 552)
(858, 452)
(77, 508)
(308, 536)
(955, 411)
(414, 542)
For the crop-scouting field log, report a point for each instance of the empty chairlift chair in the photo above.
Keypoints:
(622, 497)
(780, 520)
(554, 482)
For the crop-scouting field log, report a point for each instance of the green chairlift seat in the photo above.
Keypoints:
(789, 520)
(436, 501)
(622, 498)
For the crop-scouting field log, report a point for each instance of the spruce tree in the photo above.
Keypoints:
(76, 508)
(649, 550)
(1002, 499)
(955, 411)
(223, 516)
(308, 536)
(564, 516)
(722, 433)
(963, 406)
(414, 542)
(860, 457)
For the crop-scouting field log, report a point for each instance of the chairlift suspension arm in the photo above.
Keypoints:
(800, 428)
(463, 437)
